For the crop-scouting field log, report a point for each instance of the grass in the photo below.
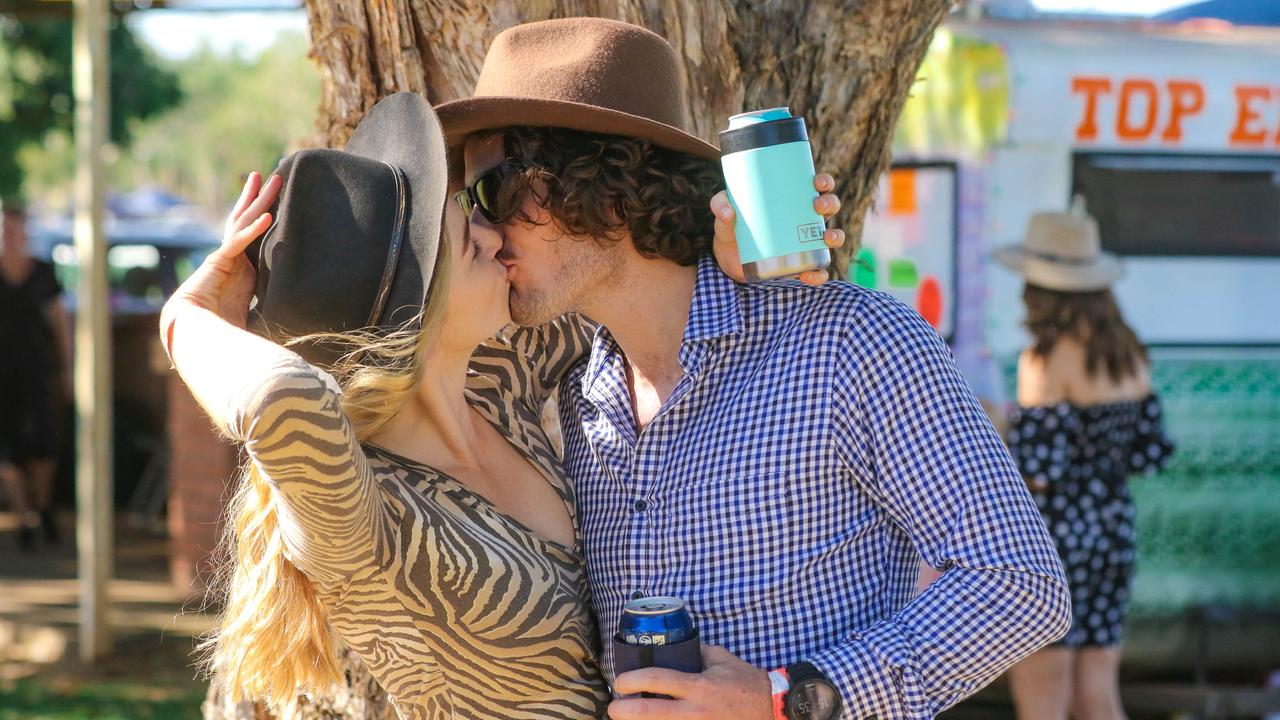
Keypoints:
(146, 678)
(64, 699)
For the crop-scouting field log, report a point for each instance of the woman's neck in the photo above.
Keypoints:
(436, 426)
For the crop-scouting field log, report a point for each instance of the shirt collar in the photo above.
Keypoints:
(715, 312)
(605, 352)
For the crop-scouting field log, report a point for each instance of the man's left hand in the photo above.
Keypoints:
(726, 688)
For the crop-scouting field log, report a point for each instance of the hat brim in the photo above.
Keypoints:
(462, 118)
(403, 130)
(1097, 275)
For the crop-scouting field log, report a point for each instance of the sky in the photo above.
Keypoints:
(176, 34)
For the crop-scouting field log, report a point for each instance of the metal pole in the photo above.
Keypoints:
(93, 329)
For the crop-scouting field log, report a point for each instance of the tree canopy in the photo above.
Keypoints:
(36, 96)
(238, 112)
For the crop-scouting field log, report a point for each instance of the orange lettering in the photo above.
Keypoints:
(1246, 132)
(1125, 130)
(1187, 99)
(1092, 87)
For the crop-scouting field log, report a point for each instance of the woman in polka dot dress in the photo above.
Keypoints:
(1086, 419)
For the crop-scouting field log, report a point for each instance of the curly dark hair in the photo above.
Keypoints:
(1091, 317)
(600, 185)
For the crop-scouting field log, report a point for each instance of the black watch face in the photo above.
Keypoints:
(812, 699)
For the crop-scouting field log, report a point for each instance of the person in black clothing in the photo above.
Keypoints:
(1086, 420)
(34, 367)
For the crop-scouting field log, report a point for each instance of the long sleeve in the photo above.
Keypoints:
(908, 427)
(287, 415)
(543, 354)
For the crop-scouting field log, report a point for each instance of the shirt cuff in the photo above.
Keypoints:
(873, 676)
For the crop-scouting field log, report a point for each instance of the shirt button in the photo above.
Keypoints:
(641, 506)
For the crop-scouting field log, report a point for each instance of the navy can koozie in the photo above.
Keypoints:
(656, 632)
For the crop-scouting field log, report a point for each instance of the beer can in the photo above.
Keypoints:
(655, 621)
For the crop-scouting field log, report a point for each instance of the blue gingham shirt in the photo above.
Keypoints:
(819, 444)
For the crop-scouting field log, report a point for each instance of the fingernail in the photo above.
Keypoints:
(726, 212)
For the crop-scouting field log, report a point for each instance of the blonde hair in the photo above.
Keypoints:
(273, 638)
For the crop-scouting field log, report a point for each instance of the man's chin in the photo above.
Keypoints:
(531, 309)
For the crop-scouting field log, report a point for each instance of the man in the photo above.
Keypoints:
(779, 456)
(36, 336)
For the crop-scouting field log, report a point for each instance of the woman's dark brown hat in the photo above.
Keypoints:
(588, 74)
(356, 232)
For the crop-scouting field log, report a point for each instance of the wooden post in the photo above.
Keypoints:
(93, 330)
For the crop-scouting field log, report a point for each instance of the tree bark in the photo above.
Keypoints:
(846, 65)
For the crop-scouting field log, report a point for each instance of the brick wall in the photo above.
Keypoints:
(201, 469)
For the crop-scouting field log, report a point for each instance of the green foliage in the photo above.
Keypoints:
(241, 114)
(36, 99)
(238, 114)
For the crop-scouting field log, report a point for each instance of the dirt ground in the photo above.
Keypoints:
(150, 672)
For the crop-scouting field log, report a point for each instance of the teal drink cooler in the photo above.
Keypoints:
(768, 168)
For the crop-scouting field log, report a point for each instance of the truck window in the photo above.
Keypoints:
(1165, 205)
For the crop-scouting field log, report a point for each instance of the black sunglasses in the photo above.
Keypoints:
(483, 193)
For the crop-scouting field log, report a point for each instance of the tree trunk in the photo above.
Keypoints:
(846, 65)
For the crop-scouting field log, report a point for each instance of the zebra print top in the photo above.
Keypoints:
(458, 610)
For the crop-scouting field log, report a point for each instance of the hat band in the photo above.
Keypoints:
(1060, 259)
(393, 251)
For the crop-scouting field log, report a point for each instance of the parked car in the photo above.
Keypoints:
(146, 260)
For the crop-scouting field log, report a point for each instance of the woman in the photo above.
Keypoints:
(32, 318)
(419, 512)
(1085, 419)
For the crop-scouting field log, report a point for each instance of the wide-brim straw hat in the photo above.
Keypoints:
(356, 232)
(1062, 251)
(588, 74)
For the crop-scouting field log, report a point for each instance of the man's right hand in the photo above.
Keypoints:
(725, 246)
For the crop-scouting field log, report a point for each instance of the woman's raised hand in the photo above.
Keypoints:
(224, 282)
(726, 242)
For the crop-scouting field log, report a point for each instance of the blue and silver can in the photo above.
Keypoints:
(655, 621)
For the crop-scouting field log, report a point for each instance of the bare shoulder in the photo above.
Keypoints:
(1036, 384)
(1050, 378)
(1142, 379)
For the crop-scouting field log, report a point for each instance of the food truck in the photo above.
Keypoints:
(1170, 136)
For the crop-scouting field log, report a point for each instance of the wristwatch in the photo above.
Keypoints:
(811, 695)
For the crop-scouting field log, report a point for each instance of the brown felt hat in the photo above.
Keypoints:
(588, 74)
